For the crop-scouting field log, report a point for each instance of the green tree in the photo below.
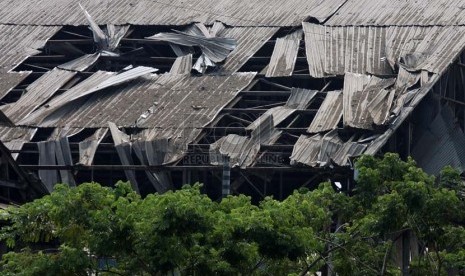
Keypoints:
(112, 231)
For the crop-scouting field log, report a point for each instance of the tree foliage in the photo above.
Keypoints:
(92, 229)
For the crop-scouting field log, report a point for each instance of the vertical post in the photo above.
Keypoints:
(189, 177)
(184, 177)
(405, 253)
(226, 180)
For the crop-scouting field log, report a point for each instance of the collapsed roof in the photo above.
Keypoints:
(163, 86)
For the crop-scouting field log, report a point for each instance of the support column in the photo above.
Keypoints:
(405, 253)
(226, 180)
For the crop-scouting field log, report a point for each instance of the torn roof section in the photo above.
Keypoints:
(321, 95)
(242, 150)
(107, 39)
(215, 49)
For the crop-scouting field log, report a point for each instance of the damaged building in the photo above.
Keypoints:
(253, 97)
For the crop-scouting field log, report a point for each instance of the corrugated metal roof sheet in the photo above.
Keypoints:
(9, 134)
(19, 42)
(284, 55)
(320, 151)
(10, 80)
(406, 79)
(405, 109)
(88, 147)
(197, 99)
(47, 112)
(348, 149)
(163, 12)
(362, 101)
(249, 41)
(216, 49)
(15, 137)
(182, 65)
(306, 150)
(123, 105)
(56, 151)
(123, 148)
(438, 49)
(336, 50)
(231, 145)
(99, 81)
(38, 92)
(298, 100)
(82, 63)
(166, 101)
(399, 12)
(316, 150)
(380, 106)
(279, 114)
(242, 150)
(329, 114)
(155, 150)
(374, 50)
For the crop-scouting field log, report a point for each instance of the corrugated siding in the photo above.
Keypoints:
(374, 50)
(19, 42)
(329, 114)
(441, 144)
(399, 12)
(164, 12)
